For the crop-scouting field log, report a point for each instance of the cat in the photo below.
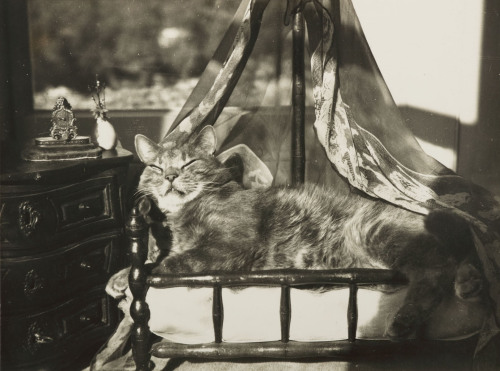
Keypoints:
(216, 224)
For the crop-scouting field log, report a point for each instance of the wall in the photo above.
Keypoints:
(480, 143)
(441, 62)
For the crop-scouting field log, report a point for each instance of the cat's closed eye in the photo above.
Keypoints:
(156, 169)
(187, 164)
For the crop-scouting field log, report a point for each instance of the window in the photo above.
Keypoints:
(442, 70)
(149, 53)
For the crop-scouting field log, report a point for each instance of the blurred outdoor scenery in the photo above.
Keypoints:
(149, 54)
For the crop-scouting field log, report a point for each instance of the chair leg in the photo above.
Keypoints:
(137, 238)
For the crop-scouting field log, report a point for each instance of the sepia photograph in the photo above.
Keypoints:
(250, 185)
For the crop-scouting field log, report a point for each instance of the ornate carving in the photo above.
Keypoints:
(29, 218)
(33, 283)
(63, 119)
(35, 338)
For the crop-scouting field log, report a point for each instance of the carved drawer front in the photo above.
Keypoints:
(37, 220)
(54, 333)
(85, 205)
(38, 282)
(26, 220)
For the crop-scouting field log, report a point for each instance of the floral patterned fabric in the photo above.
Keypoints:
(347, 118)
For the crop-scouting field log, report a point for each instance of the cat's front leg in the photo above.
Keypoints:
(191, 261)
(172, 265)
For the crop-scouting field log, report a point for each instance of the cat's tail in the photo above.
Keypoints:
(452, 231)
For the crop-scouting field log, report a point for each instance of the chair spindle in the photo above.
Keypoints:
(217, 313)
(285, 313)
(352, 312)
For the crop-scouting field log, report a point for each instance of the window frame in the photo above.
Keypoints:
(18, 97)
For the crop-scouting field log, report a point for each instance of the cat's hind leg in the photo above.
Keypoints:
(430, 269)
(430, 262)
(469, 281)
(426, 290)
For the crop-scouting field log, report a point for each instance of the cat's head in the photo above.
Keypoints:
(178, 173)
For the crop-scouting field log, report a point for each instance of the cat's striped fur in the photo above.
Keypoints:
(218, 225)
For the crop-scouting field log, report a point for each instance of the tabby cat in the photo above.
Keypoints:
(216, 224)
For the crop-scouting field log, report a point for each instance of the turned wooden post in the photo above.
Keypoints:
(298, 103)
(217, 313)
(352, 312)
(285, 313)
(139, 310)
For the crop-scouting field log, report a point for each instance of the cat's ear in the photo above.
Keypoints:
(146, 149)
(206, 140)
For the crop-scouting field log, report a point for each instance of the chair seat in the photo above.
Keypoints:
(184, 315)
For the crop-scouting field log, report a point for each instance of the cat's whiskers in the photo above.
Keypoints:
(205, 185)
(143, 192)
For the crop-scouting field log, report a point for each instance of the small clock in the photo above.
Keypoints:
(64, 143)
(63, 127)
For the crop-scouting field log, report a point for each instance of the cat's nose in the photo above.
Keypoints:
(171, 177)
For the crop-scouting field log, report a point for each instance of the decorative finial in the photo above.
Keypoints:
(62, 102)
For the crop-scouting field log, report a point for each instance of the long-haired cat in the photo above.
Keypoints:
(216, 224)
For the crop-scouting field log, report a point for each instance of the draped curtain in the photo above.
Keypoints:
(359, 126)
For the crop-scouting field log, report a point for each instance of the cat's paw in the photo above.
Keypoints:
(404, 323)
(468, 282)
(118, 284)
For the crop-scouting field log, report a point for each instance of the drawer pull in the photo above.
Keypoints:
(82, 206)
(29, 218)
(85, 265)
(36, 339)
(33, 283)
(85, 319)
(42, 339)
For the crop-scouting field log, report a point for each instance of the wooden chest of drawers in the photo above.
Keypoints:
(61, 233)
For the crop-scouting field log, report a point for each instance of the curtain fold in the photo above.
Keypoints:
(209, 108)
(366, 140)
(213, 67)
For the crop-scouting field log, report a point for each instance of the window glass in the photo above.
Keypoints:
(148, 53)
